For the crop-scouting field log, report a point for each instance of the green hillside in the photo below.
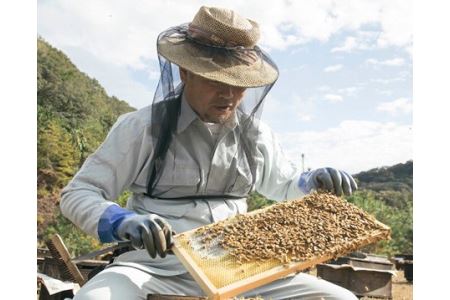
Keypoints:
(387, 193)
(398, 178)
(393, 185)
(74, 116)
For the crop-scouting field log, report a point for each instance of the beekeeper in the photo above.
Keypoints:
(190, 159)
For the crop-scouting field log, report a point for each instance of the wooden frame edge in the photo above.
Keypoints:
(275, 273)
(196, 272)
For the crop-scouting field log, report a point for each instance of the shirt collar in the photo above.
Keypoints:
(188, 115)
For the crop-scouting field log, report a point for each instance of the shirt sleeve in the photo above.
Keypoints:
(276, 177)
(106, 173)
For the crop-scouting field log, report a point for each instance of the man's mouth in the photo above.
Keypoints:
(223, 108)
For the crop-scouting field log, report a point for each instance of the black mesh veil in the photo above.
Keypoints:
(236, 66)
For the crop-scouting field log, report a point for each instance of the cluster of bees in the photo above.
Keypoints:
(316, 225)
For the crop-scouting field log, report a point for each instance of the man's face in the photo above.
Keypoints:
(213, 101)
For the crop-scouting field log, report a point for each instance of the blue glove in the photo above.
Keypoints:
(149, 231)
(327, 179)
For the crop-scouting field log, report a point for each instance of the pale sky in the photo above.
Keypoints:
(344, 96)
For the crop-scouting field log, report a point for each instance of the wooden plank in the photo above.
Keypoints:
(92, 263)
(60, 252)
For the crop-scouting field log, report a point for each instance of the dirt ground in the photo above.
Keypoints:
(401, 288)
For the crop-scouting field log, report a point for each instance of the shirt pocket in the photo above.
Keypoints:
(179, 175)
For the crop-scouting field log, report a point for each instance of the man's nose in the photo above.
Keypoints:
(226, 92)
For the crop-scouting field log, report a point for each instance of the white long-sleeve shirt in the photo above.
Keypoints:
(122, 163)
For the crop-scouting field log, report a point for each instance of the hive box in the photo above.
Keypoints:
(370, 276)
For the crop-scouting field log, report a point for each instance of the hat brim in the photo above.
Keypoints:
(186, 55)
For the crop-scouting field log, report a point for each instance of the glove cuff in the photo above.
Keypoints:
(303, 182)
(109, 221)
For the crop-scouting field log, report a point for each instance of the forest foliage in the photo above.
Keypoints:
(74, 114)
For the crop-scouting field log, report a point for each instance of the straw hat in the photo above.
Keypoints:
(219, 45)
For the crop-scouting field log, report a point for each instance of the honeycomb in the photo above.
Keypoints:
(293, 235)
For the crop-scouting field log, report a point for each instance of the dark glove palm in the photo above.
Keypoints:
(328, 179)
(149, 231)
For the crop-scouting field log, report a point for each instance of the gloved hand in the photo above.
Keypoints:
(149, 231)
(327, 179)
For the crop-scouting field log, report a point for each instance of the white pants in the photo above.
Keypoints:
(121, 282)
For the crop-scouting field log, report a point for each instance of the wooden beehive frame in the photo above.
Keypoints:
(265, 277)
